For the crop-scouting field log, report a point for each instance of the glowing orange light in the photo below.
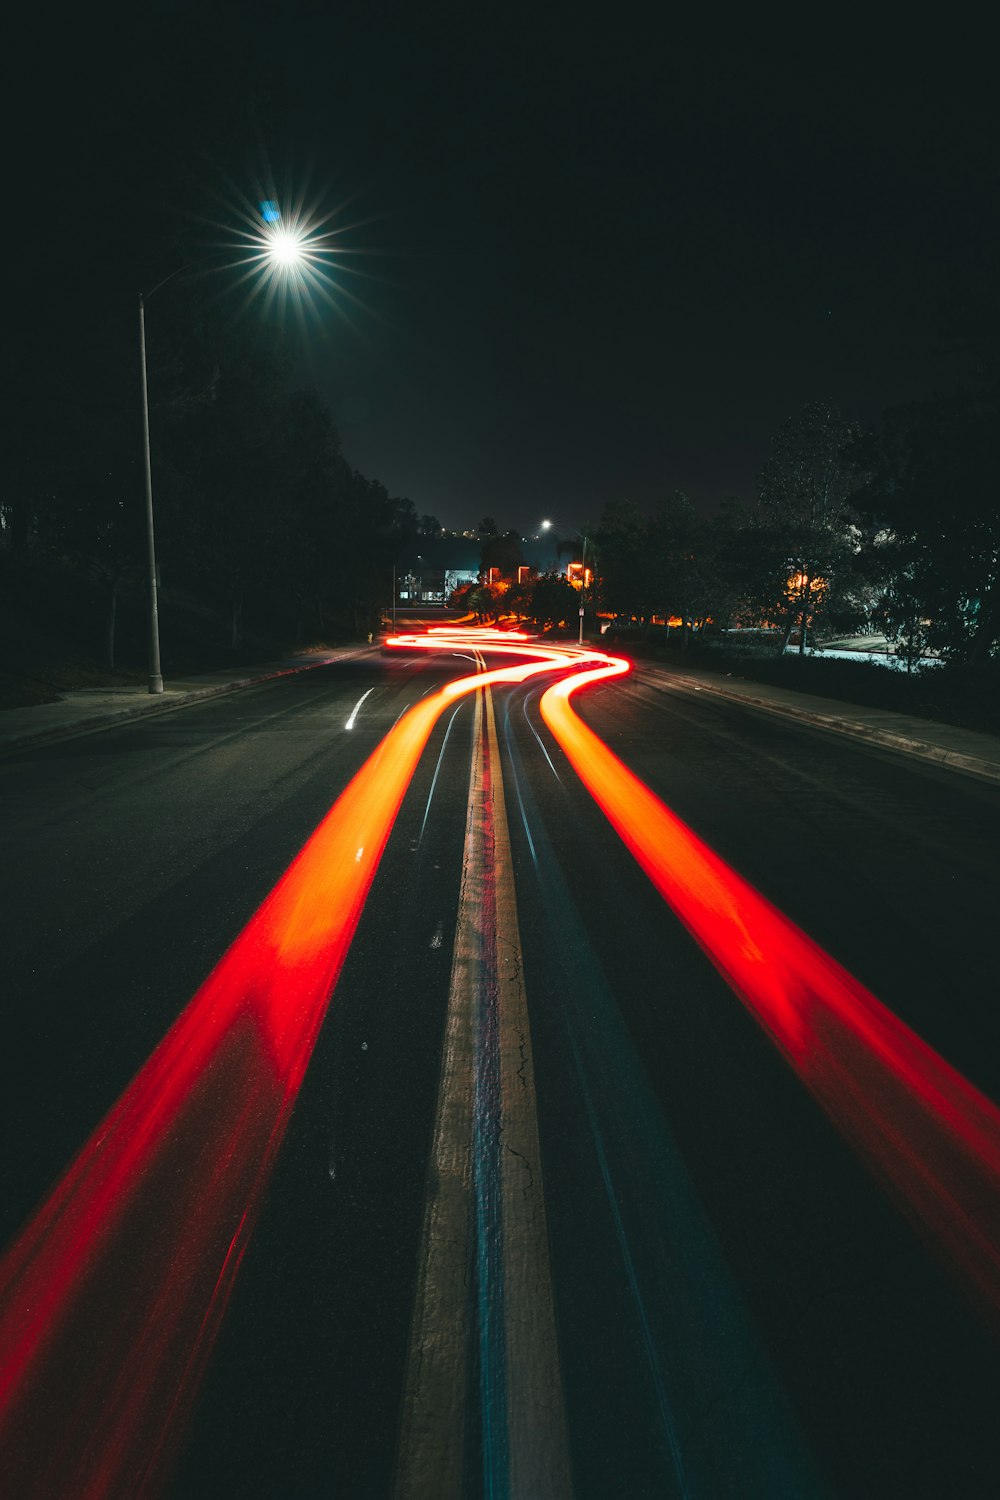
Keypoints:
(800, 582)
(578, 575)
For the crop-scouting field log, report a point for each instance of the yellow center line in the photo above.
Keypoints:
(449, 1313)
(432, 1427)
(538, 1462)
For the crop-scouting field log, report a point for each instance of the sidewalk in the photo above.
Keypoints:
(945, 745)
(84, 709)
(967, 750)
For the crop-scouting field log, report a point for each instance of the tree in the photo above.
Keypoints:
(678, 554)
(553, 601)
(459, 597)
(429, 526)
(309, 562)
(485, 601)
(933, 490)
(518, 595)
(624, 567)
(235, 452)
(805, 539)
(503, 552)
(95, 522)
(723, 543)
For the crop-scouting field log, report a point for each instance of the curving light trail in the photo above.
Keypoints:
(112, 1296)
(931, 1138)
(928, 1134)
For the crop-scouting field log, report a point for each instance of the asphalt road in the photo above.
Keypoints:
(741, 1307)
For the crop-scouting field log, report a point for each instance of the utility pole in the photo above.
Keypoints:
(583, 584)
(155, 677)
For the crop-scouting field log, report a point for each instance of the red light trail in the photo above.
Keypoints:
(112, 1296)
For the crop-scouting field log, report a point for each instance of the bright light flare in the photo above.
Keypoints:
(284, 247)
(294, 255)
(290, 252)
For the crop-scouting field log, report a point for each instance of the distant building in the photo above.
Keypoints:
(431, 568)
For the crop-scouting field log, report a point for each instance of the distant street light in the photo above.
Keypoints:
(280, 251)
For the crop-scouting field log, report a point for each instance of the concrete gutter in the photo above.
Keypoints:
(957, 749)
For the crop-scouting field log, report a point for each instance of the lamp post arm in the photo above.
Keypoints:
(178, 271)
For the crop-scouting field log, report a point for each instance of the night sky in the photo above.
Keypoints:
(599, 256)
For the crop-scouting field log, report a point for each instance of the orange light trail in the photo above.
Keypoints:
(112, 1296)
(931, 1138)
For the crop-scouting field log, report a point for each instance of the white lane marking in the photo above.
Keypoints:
(437, 769)
(354, 711)
(539, 738)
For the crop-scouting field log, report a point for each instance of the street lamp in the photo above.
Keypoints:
(546, 526)
(155, 678)
(280, 251)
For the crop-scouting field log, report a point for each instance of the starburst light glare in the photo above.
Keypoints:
(284, 246)
(281, 252)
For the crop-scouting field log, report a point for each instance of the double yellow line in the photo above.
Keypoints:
(484, 1286)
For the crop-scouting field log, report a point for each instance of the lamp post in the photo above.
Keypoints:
(155, 677)
(280, 251)
(547, 526)
(583, 582)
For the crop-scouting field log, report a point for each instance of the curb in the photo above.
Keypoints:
(158, 704)
(955, 760)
